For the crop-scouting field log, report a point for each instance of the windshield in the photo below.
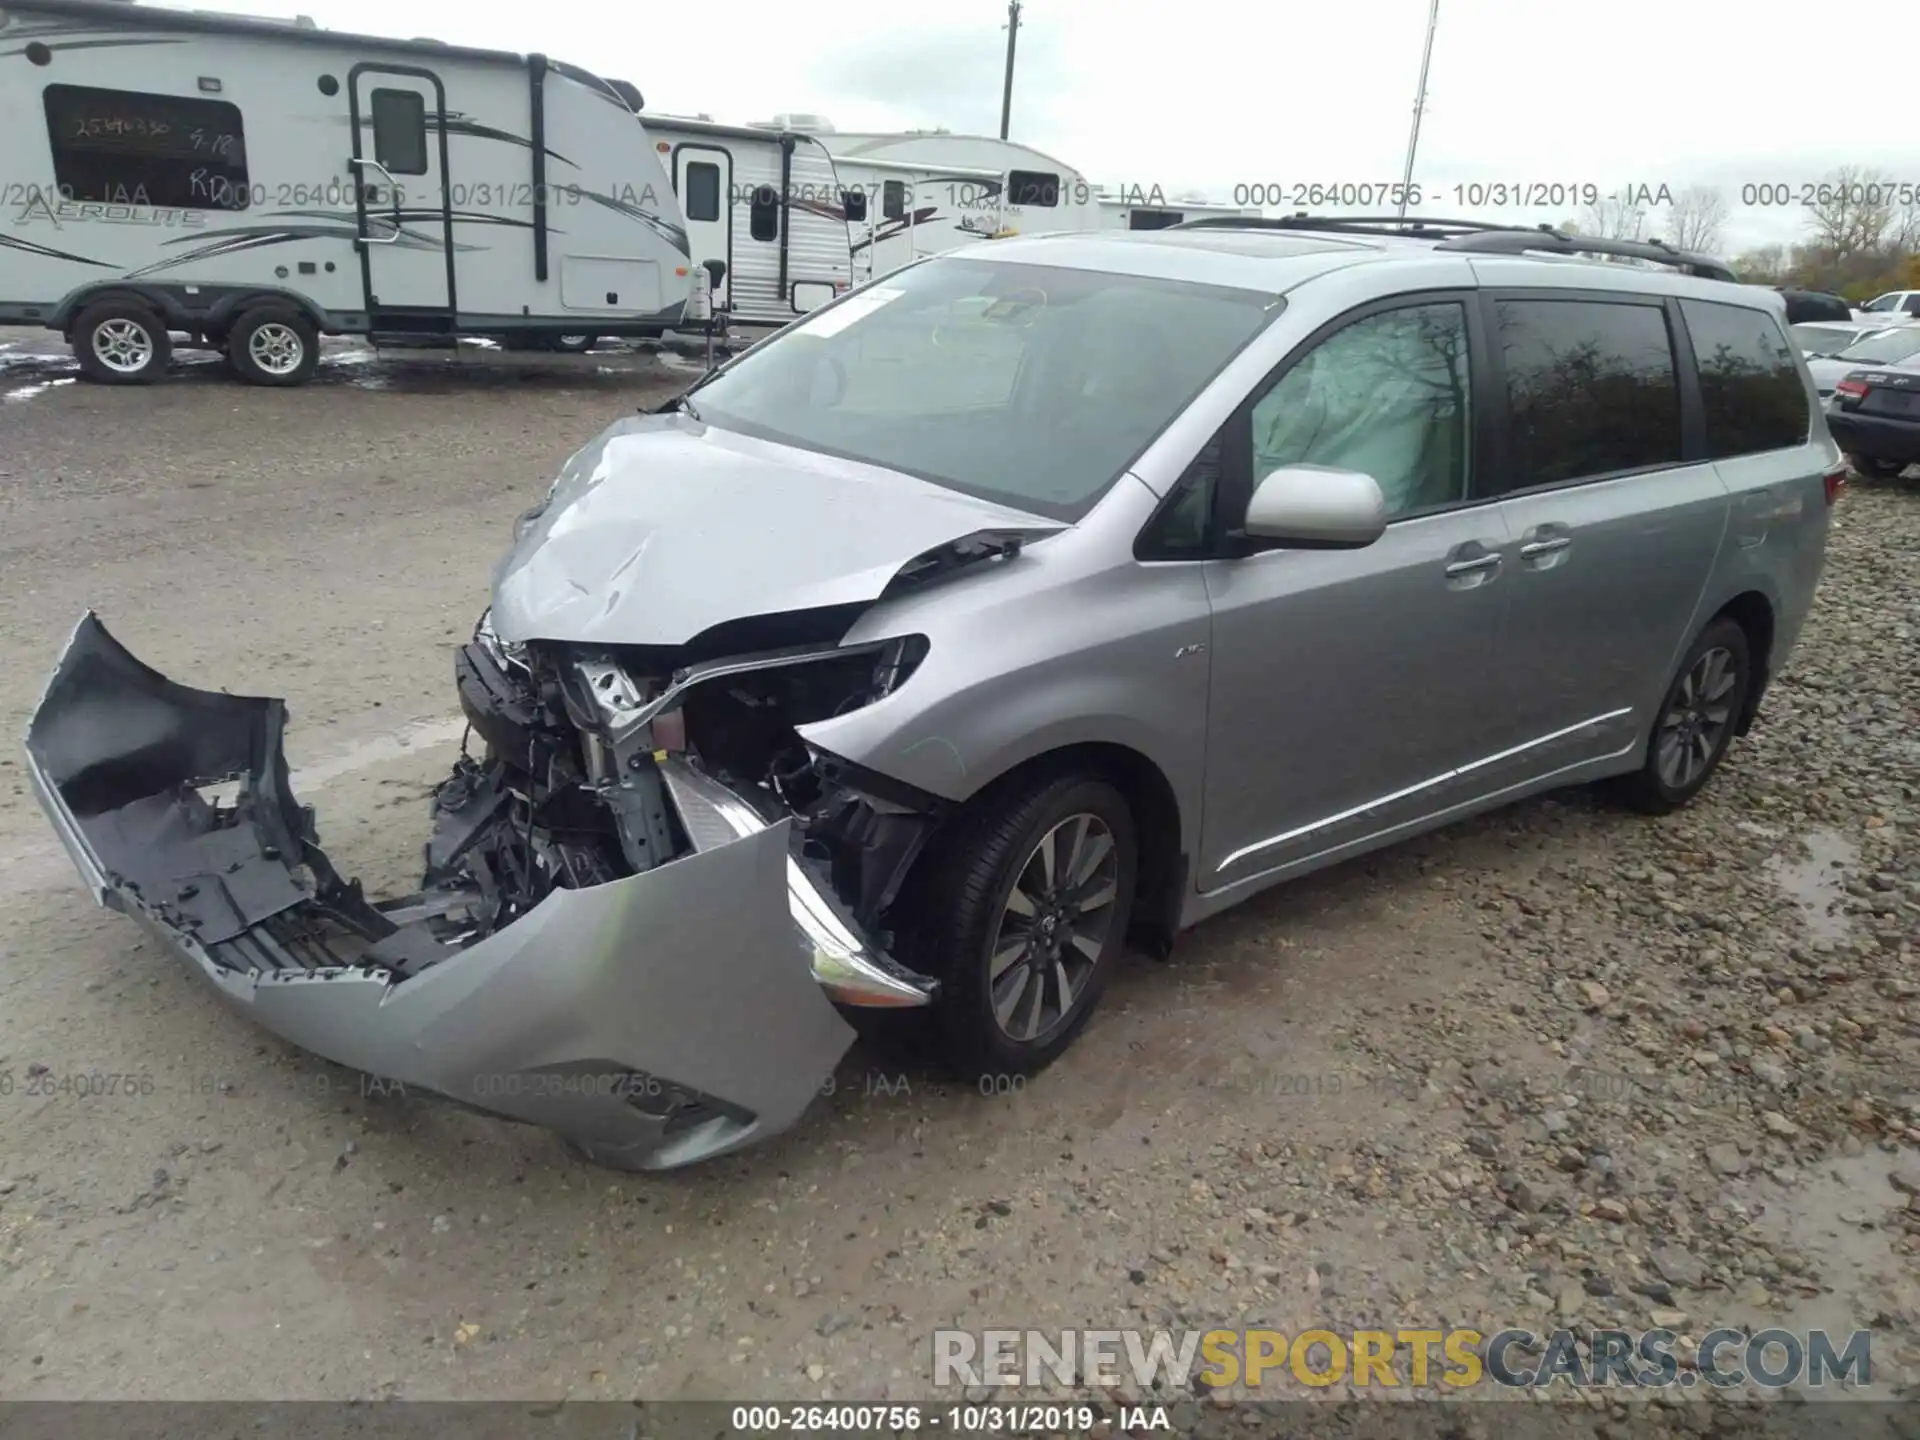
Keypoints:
(1034, 386)
(1885, 348)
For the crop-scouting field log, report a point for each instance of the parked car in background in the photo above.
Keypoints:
(1057, 593)
(1889, 306)
(1875, 417)
(1891, 346)
(1814, 305)
(1829, 337)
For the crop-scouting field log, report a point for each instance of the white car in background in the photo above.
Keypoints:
(1829, 337)
(1890, 306)
(1891, 346)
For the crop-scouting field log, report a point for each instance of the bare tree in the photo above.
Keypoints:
(1906, 229)
(1696, 219)
(1851, 213)
(1765, 266)
(1613, 219)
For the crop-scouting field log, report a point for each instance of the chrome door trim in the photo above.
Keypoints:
(1396, 796)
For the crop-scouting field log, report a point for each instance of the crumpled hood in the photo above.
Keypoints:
(663, 527)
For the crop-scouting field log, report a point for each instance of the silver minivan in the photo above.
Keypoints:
(1046, 595)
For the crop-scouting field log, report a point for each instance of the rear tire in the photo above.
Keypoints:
(1695, 723)
(274, 345)
(1877, 469)
(121, 342)
(1022, 916)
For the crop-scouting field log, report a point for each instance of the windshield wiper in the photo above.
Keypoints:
(680, 403)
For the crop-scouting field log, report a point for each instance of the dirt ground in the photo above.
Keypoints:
(1560, 1065)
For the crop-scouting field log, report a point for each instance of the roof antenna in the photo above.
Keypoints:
(1419, 104)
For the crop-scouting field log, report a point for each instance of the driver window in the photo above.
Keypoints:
(1386, 395)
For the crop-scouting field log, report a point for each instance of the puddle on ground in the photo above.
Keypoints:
(27, 392)
(1814, 883)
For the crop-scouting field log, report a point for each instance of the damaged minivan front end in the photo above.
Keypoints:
(610, 940)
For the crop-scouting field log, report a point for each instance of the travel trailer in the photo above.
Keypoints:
(928, 191)
(253, 184)
(1146, 207)
(765, 203)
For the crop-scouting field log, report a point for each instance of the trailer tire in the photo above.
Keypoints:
(571, 344)
(121, 342)
(274, 345)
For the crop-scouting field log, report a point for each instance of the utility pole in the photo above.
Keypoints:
(1012, 27)
(1419, 104)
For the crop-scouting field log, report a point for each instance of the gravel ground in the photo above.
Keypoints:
(1559, 1065)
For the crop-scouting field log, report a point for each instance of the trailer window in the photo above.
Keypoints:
(1154, 219)
(854, 205)
(126, 147)
(763, 219)
(400, 131)
(703, 190)
(1033, 187)
(893, 199)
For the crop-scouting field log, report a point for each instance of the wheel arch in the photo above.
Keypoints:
(173, 310)
(1154, 804)
(1754, 613)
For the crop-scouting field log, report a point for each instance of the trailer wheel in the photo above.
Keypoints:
(574, 344)
(120, 342)
(274, 345)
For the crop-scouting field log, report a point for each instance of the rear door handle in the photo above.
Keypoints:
(1543, 547)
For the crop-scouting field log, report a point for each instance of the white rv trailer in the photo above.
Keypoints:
(928, 191)
(1136, 207)
(255, 183)
(768, 205)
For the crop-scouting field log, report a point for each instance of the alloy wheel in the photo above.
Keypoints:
(123, 346)
(276, 349)
(1054, 929)
(1699, 712)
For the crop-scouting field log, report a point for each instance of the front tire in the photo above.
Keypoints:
(120, 342)
(274, 345)
(1024, 920)
(1695, 723)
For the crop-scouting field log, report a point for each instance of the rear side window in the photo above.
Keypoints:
(1913, 303)
(1591, 386)
(400, 131)
(1033, 187)
(703, 190)
(763, 217)
(1749, 388)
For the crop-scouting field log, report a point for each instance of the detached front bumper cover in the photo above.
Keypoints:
(652, 1021)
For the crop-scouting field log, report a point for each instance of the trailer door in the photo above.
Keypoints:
(703, 179)
(402, 201)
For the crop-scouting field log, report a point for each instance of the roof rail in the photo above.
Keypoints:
(1547, 241)
(1415, 225)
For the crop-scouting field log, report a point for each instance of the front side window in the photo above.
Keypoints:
(1749, 387)
(127, 147)
(1033, 187)
(399, 131)
(1031, 385)
(703, 190)
(1883, 302)
(1912, 306)
(1388, 396)
(1592, 389)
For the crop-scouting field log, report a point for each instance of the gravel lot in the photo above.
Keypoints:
(1558, 1065)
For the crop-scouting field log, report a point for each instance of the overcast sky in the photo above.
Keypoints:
(1215, 94)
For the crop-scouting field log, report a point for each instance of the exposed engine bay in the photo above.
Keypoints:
(568, 788)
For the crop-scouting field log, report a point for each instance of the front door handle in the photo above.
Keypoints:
(1471, 564)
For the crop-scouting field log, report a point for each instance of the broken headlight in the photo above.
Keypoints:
(504, 652)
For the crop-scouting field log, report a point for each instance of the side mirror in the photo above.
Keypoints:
(1315, 507)
(716, 272)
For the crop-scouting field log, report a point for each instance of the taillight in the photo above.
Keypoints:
(1836, 479)
(1853, 389)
